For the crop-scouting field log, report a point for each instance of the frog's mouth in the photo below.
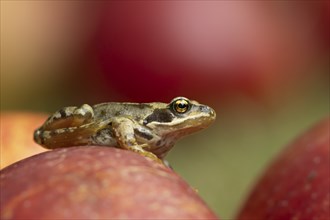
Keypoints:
(184, 126)
(195, 124)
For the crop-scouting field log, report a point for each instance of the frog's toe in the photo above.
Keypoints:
(152, 156)
(37, 136)
(144, 153)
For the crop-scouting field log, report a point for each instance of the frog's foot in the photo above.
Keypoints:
(139, 149)
(70, 117)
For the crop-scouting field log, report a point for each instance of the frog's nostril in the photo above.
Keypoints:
(204, 109)
(208, 110)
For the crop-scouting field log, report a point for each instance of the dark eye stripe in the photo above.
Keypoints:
(159, 115)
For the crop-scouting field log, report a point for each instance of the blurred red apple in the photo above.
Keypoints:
(296, 185)
(158, 50)
(96, 183)
(17, 136)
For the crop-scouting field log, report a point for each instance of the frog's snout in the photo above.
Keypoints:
(212, 113)
(208, 110)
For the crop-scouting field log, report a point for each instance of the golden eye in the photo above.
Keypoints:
(181, 105)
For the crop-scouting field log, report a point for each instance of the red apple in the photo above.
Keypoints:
(17, 136)
(158, 50)
(96, 183)
(296, 185)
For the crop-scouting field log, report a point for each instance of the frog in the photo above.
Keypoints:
(149, 129)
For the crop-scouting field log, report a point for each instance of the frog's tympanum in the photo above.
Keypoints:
(150, 129)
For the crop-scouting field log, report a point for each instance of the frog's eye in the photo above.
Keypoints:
(180, 105)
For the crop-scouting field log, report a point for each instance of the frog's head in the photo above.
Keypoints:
(179, 118)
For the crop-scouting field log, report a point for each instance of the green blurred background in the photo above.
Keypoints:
(264, 68)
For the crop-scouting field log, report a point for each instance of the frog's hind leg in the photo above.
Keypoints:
(69, 117)
(64, 126)
(70, 136)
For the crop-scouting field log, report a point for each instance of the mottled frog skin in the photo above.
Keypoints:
(150, 129)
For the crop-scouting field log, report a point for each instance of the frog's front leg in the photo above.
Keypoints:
(69, 117)
(123, 128)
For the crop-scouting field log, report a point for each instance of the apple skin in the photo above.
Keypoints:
(296, 185)
(17, 136)
(96, 183)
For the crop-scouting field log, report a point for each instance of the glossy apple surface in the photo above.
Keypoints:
(96, 183)
(17, 136)
(296, 185)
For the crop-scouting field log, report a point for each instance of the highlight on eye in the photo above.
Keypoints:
(181, 105)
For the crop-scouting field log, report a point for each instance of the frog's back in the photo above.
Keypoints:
(134, 110)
